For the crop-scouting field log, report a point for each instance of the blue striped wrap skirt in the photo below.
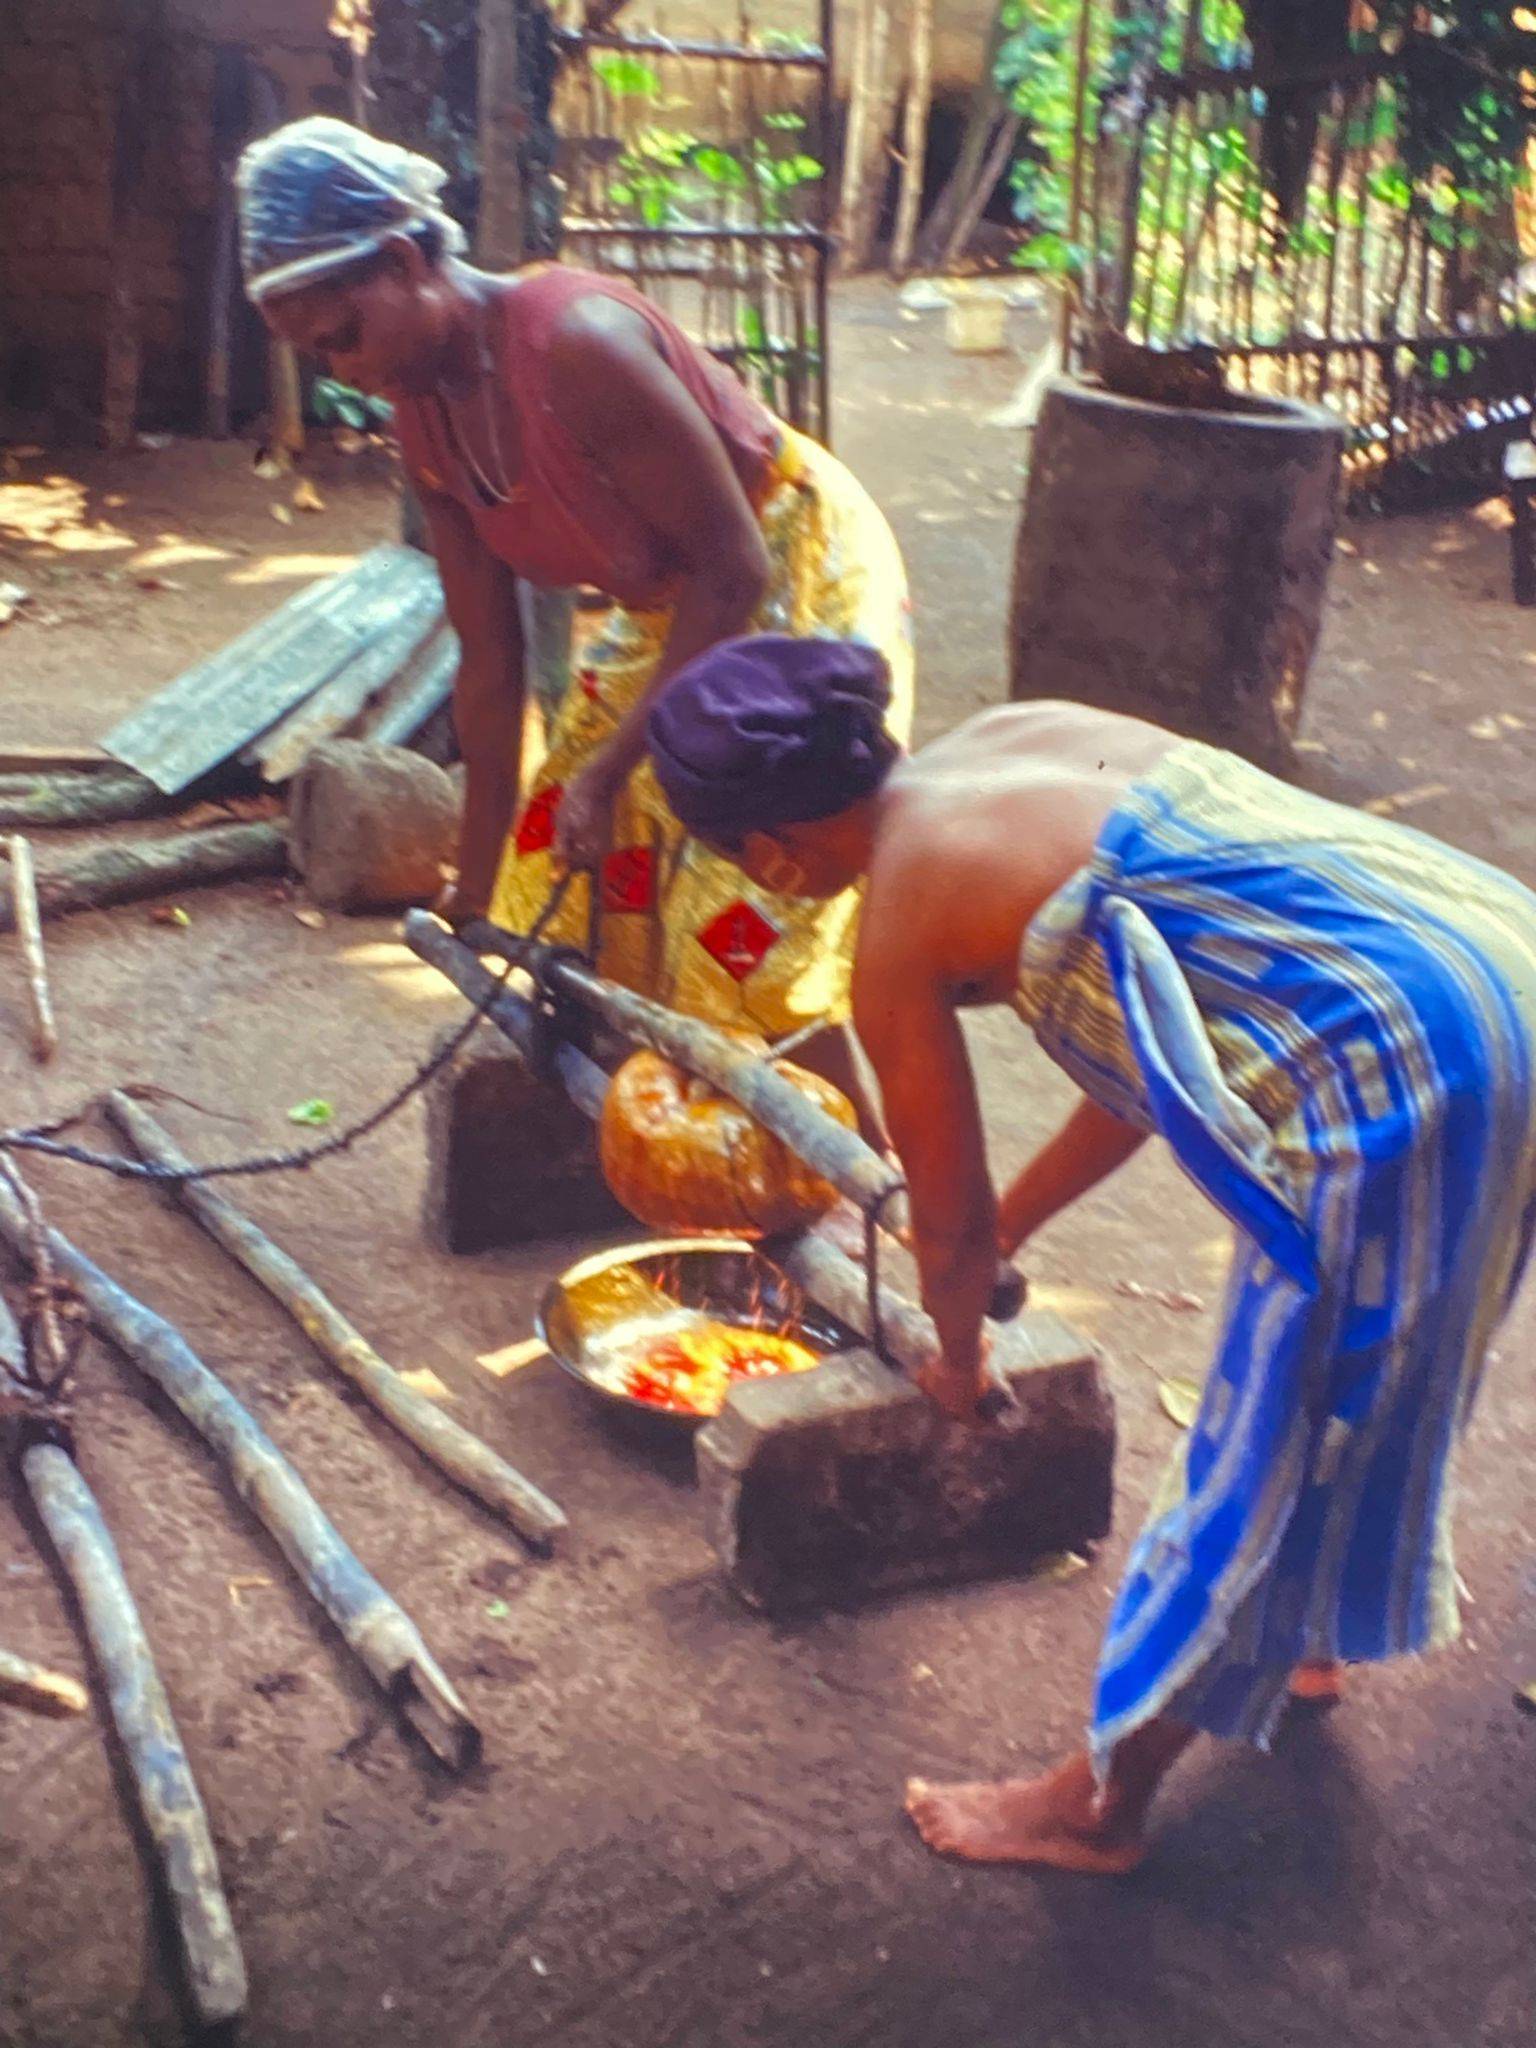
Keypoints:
(1332, 1021)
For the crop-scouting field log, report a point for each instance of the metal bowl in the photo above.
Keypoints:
(647, 1284)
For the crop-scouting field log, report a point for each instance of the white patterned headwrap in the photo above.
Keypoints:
(318, 194)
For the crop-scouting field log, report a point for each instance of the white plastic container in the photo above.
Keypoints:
(977, 323)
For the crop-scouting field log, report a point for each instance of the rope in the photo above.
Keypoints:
(41, 1138)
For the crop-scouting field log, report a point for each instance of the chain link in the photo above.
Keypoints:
(43, 1138)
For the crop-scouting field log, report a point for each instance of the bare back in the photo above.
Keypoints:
(977, 831)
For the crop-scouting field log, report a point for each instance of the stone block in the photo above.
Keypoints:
(839, 1484)
(509, 1158)
(370, 826)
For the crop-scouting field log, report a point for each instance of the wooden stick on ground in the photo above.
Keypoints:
(173, 1811)
(378, 1632)
(160, 867)
(81, 800)
(453, 1449)
(168, 1799)
(29, 928)
(44, 1692)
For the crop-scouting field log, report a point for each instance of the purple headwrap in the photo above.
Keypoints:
(770, 730)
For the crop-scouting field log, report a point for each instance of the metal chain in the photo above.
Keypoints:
(41, 1138)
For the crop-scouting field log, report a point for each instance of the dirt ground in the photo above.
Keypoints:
(686, 1833)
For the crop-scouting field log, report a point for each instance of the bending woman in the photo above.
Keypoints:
(560, 429)
(1331, 1020)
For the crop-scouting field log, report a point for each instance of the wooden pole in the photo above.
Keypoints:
(1082, 58)
(230, 125)
(982, 117)
(29, 929)
(40, 1691)
(855, 127)
(864, 196)
(130, 874)
(826, 1273)
(836, 1153)
(467, 1461)
(74, 799)
(914, 137)
(502, 233)
(285, 423)
(969, 217)
(377, 1631)
(122, 344)
(175, 1818)
(222, 273)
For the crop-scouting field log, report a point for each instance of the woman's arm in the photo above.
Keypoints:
(480, 594)
(1087, 1149)
(666, 461)
(907, 1023)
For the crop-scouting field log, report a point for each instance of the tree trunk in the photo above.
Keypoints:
(996, 162)
(986, 110)
(914, 136)
(856, 123)
(866, 156)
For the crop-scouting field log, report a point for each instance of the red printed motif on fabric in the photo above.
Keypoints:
(629, 879)
(587, 678)
(739, 939)
(536, 829)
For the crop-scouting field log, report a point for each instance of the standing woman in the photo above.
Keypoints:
(560, 429)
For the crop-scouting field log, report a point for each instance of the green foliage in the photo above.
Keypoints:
(1448, 139)
(628, 77)
(668, 177)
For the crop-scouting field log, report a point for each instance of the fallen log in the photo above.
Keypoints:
(21, 757)
(378, 1632)
(175, 1818)
(23, 1684)
(467, 1461)
(159, 867)
(24, 911)
(81, 800)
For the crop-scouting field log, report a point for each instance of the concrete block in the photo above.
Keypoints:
(842, 1483)
(509, 1159)
(371, 826)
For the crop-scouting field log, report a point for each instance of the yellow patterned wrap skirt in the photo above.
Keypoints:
(669, 918)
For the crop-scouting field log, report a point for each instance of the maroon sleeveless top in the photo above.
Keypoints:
(565, 524)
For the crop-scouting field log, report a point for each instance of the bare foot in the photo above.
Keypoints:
(1051, 1820)
(1318, 1684)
